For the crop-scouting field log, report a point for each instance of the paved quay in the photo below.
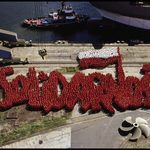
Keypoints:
(65, 55)
(103, 131)
(54, 139)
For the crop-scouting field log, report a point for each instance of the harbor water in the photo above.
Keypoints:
(13, 13)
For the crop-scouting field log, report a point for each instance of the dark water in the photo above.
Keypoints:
(13, 13)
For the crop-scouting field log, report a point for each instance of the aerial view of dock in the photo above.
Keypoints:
(75, 74)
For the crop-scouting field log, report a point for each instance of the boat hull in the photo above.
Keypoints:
(130, 21)
(55, 25)
(125, 13)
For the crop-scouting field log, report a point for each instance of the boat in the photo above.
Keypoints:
(134, 14)
(63, 17)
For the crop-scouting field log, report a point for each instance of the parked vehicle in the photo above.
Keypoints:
(19, 43)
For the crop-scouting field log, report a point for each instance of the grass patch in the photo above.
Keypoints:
(27, 129)
(3, 117)
(68, 69)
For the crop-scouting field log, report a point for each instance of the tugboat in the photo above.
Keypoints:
(63, 17)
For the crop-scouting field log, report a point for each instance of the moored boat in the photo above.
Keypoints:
(60, 18)
(134, 14)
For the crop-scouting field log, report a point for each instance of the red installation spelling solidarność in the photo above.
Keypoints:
(94, 91)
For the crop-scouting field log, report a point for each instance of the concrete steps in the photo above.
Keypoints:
(131, 55)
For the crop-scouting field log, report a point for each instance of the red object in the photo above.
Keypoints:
(95, 91)
(145, 68)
